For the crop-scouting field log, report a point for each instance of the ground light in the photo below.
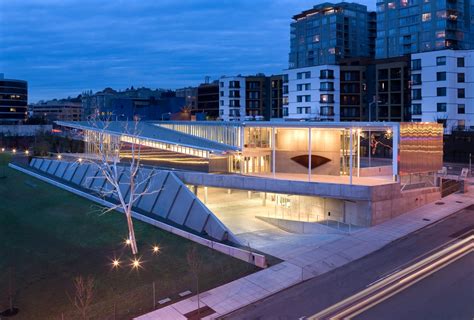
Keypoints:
(115, 263)
(156, 249)
(136, 263)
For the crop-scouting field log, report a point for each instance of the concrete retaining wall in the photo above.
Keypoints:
(258, 260)
(299, 226)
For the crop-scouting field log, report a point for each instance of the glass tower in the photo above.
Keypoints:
(329, 32)
(412, 26)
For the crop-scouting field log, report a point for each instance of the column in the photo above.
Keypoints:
(395, 142)
(273, 151)
(358, 152)
(309, 154)
(350, 155)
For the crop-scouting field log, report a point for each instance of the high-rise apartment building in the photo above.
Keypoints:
(329, 32)
(412, 26)
(250, 97)
(443, 88)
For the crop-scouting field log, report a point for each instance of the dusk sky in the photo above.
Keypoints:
(64, 47)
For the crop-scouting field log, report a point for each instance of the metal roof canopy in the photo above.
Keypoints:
(151, 132)
(289, 124)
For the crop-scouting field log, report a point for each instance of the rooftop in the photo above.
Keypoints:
(149, 131)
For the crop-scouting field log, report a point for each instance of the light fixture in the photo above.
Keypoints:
(116, 263)
(14, 150)
(27, 152)
(136, 263)
(156, 249)
(59, 156)
(3, 149)
(128, 242)
(80, 160)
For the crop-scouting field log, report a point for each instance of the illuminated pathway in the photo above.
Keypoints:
(398, 281)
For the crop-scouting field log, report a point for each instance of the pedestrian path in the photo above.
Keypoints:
(312, 261)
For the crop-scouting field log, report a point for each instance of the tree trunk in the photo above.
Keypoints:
(131, 232)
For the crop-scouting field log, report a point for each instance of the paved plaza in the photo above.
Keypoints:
(307, 261)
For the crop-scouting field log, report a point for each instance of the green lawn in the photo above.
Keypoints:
(48, 236)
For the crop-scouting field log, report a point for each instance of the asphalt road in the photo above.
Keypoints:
(314, 295)
(446, 294)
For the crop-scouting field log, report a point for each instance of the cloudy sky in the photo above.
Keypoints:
(62, 47)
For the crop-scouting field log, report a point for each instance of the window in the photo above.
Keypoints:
(426, 17)
(327, 86)
(416, 108)
(442, 121)
(441, 61)
(461, 62)
(303, 110)
(440, 76)
(299, 87)
(416, 94)
(416, 64)
(222, 93)
(441, 107)
(441, 91)
(327, 98)
(416, 79)
(222, 84)
(299, 98)
(285, 89)
(222, 102)
(326, 74)
(307, 74)
(461, 77)
(461, 108)
(461, 93)
(299, 75)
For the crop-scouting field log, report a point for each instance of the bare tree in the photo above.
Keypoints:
(195, 265)
(107, 146)
(83, 294)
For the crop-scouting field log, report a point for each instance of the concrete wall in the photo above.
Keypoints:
(24, 130)
(402, 202)
(294, 142)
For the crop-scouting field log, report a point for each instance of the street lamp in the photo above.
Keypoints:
(375, 101)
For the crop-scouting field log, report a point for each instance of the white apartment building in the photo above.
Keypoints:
(443, 88)
(312, 93)
(232, 98)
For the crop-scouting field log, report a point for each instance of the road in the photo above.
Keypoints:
(314, 295)
(446, 294)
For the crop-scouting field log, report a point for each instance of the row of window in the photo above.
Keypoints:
(324, 111)
(440, 61)
(440, 107)
(440, 92)
(323, 74)
(323, 98)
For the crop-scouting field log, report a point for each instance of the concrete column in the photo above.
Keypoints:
(395, 139)
(273, 151)
(205, 194)
(249, 194)
(309, 154)
(229, 191)
(264, 199)
(351, 138)
(358, 152)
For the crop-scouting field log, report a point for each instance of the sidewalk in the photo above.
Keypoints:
(313, 261)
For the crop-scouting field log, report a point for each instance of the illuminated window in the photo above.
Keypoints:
(426, 17)
(12, 109)
(316, 38)
(440, 34)
(391, 5)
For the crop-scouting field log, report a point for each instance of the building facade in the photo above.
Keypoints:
(13, 100)
(312, 93)
(329, 32)
(207, 101)
(250, 97)
(57, 110)
(443, 88)
(408, 26)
